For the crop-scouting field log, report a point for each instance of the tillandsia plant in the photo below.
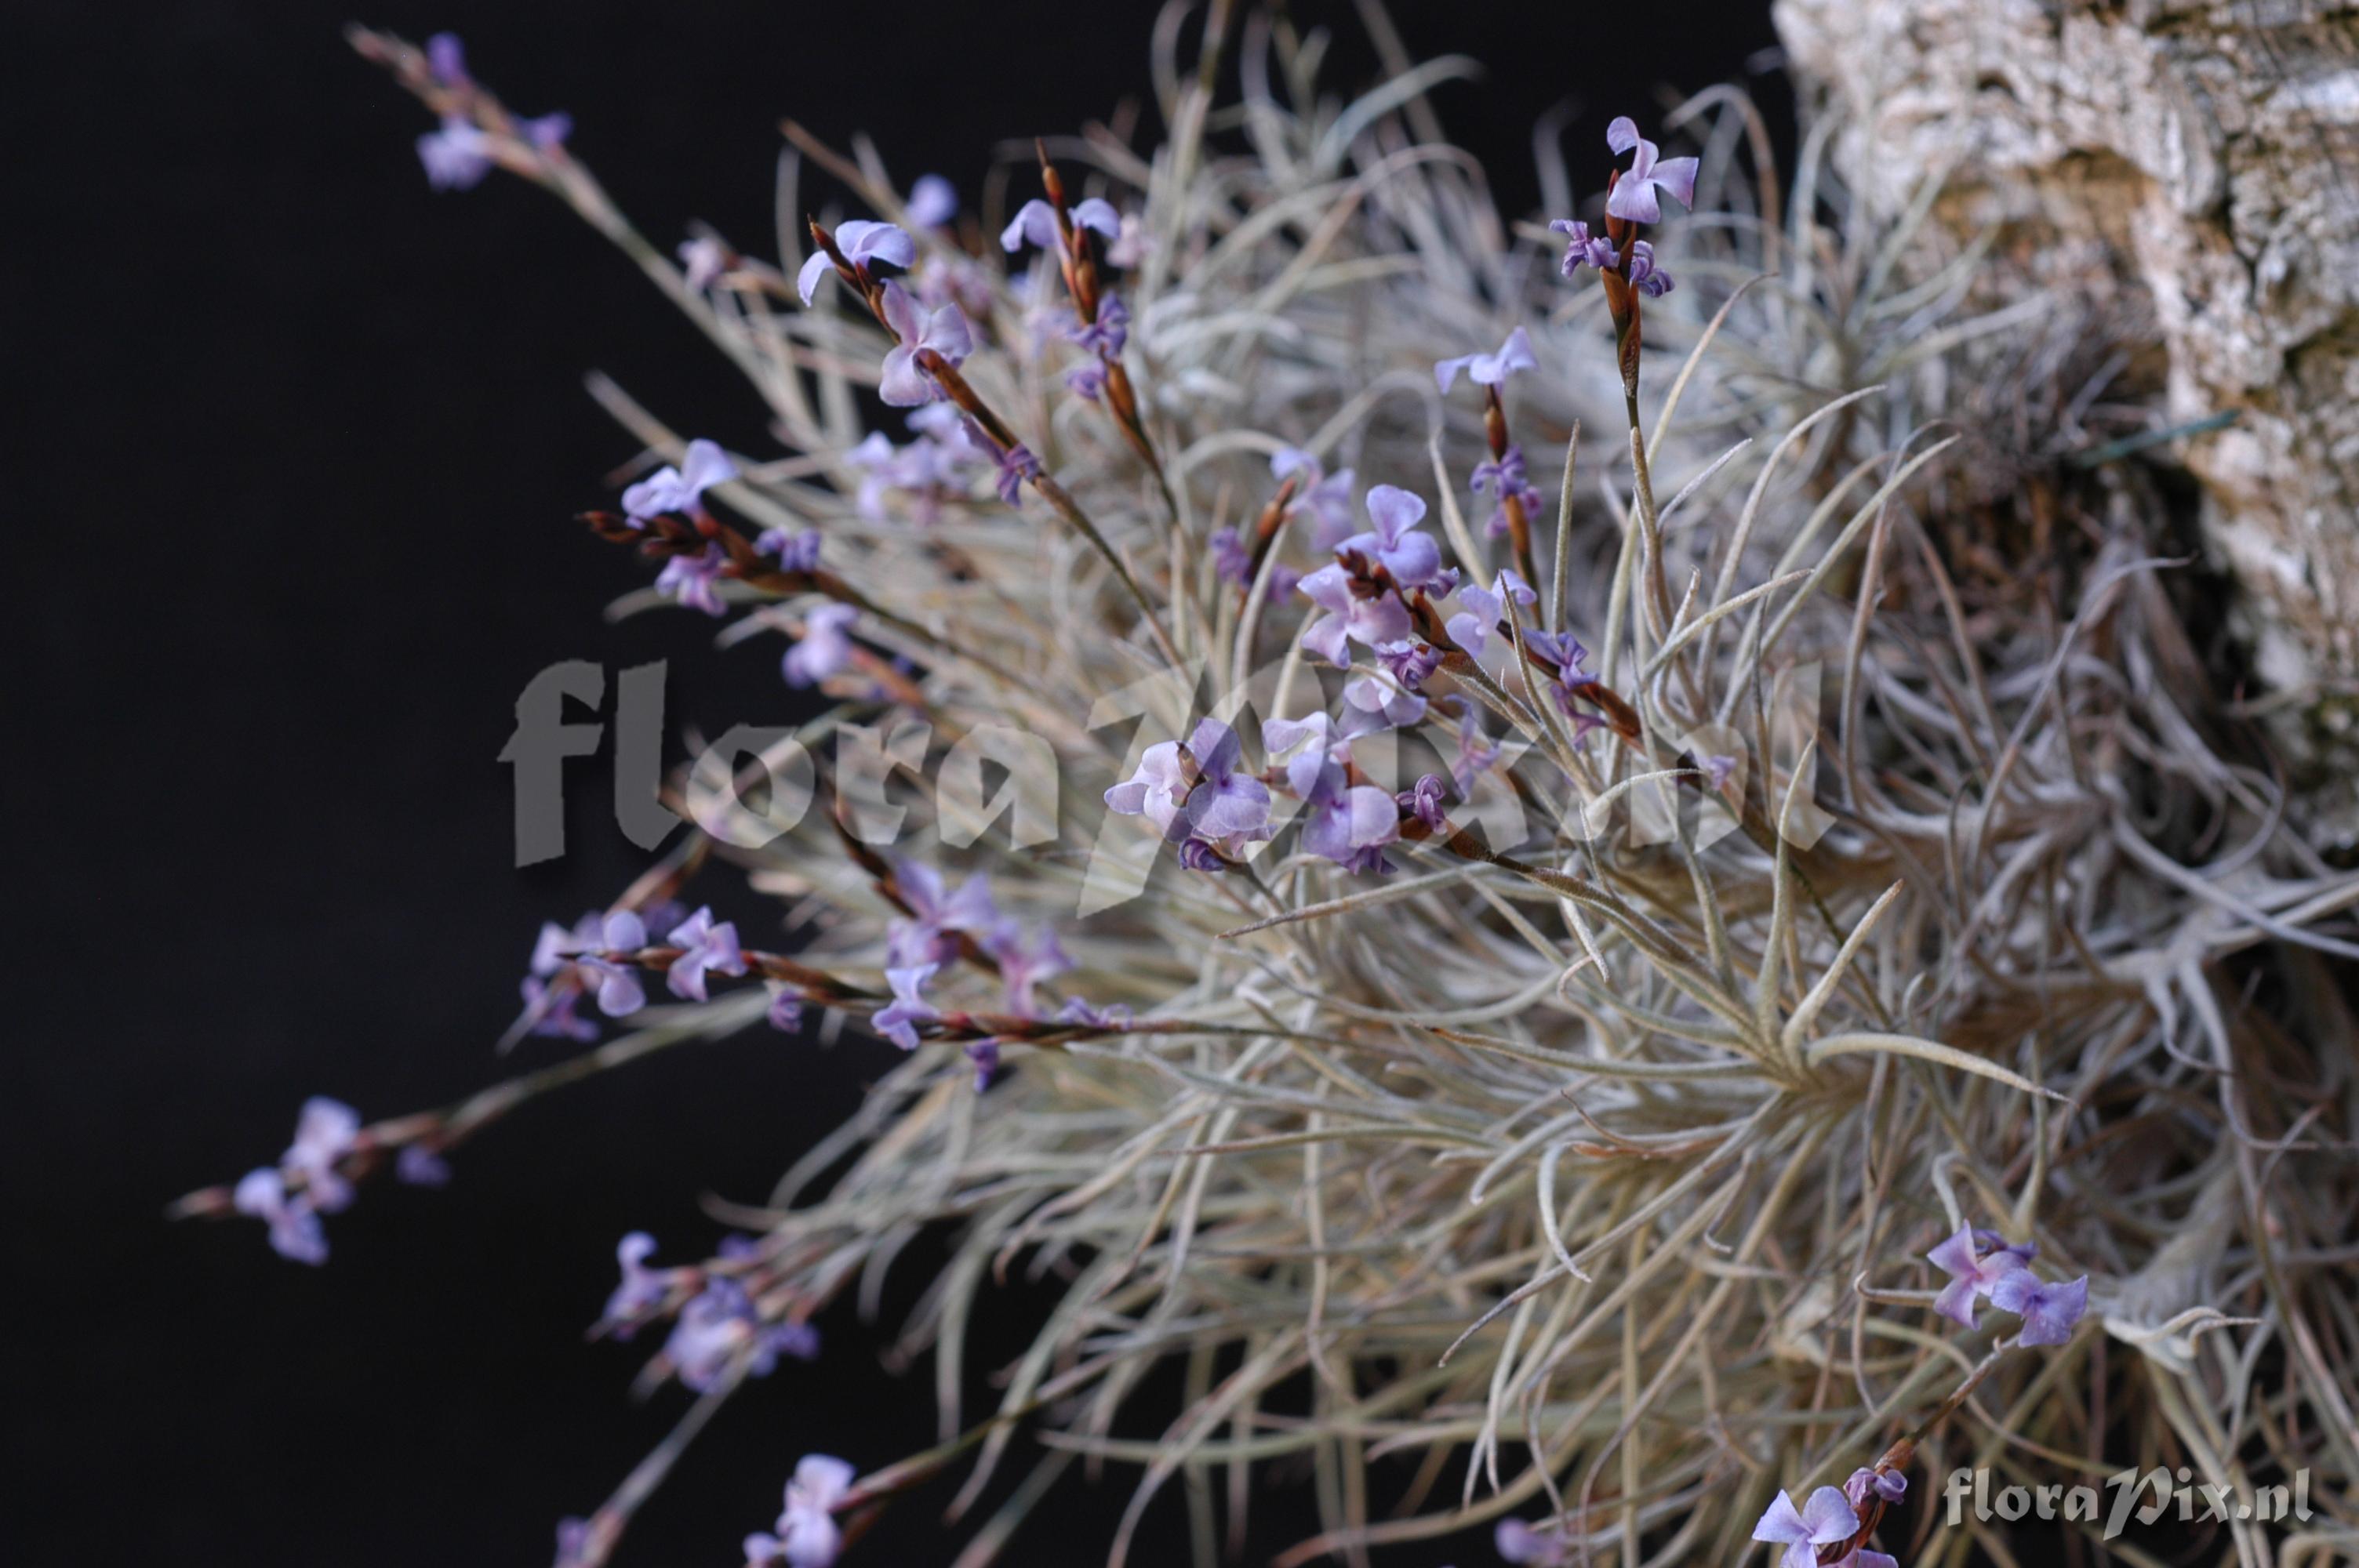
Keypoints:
(1638, 1028)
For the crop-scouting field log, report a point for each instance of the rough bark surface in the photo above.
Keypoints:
(2190, 167)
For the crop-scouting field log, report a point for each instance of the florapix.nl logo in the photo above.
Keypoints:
(754, 784)
(2158, 1498)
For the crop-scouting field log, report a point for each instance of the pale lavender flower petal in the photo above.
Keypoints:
(548, 132)
(1491, 369)
(1972, 1275)
(1633, 196)
(694, 579)
(1097, 212)
(421, 1167)
(933, 202)
(707, 946)
(1645, 276)
(865, 242)
(2050, 1311)
(446, 58)
(1826, 1519)
(325, 1133)
(1131, 245)
(456, 157)
(808, 1536)
(817, 265)
(1518, 1541)
(295, 1230)
(1424, 802)
(642, 1289)
(1036, 222)
(1232, 562)
(703, 259)
(1583, 248)
(824, 648)
(898, 1020)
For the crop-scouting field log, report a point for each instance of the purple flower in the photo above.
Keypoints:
(1633, 196)
(706, 946)
(864, 244)
(1489, 369)
(1565, 650)
(1036, 222)
(1717, 770)
(695, 580)
(1106, 336)
(548, 132)
(446, 59)
(1518, 1541)
(1583, 249)
(456, 157)
(324, 1133)
(933, 202)
(681, 489)
(1371, 705)
(1221, 805)
(1825, 1520)
(796, 552)
(1352, 616)
(642, 1289)
(1017, 464)
(1409, 662)
(785, 1012)
(1972, 1276)
(1348, 824)
(1506, 479)
(1644, 276)
(2048, 1311)
(1474, 757)
(294, 1229)
(904, 383)
(1424, 802)
(985, 1056)
(936, 917)
(1279, 736)
(1024, 965)
(1327, 495)
(1889, 1484)
(554, 944)
(1412, 559)
(552, 1010)
(1130, 244)
(1196, 855)
(702, 260)
(824, 649)
(421, 1167)
(619, 990)
(1470, 627)
(807, 1534)
(1158, 791)
(719, 1322)
(1088, 1016)
(1232, 562)
(1087, 380)
(897, 1021)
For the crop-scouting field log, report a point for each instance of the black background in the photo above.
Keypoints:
(294, 445)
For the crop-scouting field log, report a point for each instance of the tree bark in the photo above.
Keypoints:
(2190, 166)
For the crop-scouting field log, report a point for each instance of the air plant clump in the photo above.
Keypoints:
(1558, 1032)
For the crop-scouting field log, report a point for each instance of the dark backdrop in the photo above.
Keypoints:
(293, 447)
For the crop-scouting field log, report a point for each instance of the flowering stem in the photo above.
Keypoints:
(964, 396)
